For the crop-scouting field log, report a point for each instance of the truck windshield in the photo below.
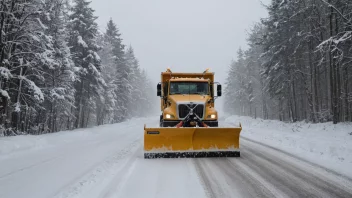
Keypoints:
(200, 88)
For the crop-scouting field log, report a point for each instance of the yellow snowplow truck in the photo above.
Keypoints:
(189, 121)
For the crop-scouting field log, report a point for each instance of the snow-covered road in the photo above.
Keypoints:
(107, 161)
(264, 172)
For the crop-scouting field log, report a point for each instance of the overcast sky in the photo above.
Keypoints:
(185, 35)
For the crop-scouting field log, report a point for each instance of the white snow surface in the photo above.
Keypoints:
(325, 144)
(107, 161)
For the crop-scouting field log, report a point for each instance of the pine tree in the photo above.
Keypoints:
(24, 49)
(106, 103)
(239, 88)
(121, 74)
(83, 33)
(135, 80)
(147, 99)
(300, 51)
(127, 91)
(59, 73)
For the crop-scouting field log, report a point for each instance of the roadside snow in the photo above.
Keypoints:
(105, 161)
(325, 144)
(19, 143)
(15, 144)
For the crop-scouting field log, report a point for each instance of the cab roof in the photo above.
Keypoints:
(202, 77)
(189, 80)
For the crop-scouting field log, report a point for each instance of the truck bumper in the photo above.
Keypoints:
(172, 123)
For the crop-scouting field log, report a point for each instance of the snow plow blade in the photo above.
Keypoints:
(168, 142)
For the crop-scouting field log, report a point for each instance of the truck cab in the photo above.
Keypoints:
(184, 92)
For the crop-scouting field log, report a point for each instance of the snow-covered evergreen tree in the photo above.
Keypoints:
(148, 98)
(121, 72)
(83, 32)
(51, 76)
(239, 89)
(23, 51)
(58, 72)
(135, 80)
(301, 53)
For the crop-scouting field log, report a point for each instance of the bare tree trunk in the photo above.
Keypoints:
(332, 72)
(346, 118)
(18, 111)
(294, 109)
(338, 78)
(80, 106)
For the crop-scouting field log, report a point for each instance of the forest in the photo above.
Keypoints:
(58, 71)
(298, 64)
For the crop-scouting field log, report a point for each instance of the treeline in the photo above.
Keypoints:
(58, 72)
(298, 65)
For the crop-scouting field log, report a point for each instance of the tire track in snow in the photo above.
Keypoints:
(81, 183)
(269, 187)
(206, 179)
(62, 155)
(301, 180)
(276, 176)
(263, 172)
(96, 174)
(120, 177)
(297, 158)
(247, 184)
(222, 178)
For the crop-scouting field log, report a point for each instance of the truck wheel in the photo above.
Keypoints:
(161, 121)
(213, 124)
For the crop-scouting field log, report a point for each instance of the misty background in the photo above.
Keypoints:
(187, 36)
(80, 63)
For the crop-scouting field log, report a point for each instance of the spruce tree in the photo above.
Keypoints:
(83, 31)
(58, 74)
(122, 73)
(135, 80)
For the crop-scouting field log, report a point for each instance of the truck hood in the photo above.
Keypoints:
(189, 98)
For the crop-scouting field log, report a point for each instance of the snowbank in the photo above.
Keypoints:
(11, 145)
(325, 144)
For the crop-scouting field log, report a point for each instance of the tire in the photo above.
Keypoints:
(161, 121)
(212, 124)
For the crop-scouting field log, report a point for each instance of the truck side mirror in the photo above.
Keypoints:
(158, 89)
(219, 90)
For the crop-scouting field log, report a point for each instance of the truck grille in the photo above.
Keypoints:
(183, 110)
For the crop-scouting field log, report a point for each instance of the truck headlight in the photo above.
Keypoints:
(168, 116)
(212, 116)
